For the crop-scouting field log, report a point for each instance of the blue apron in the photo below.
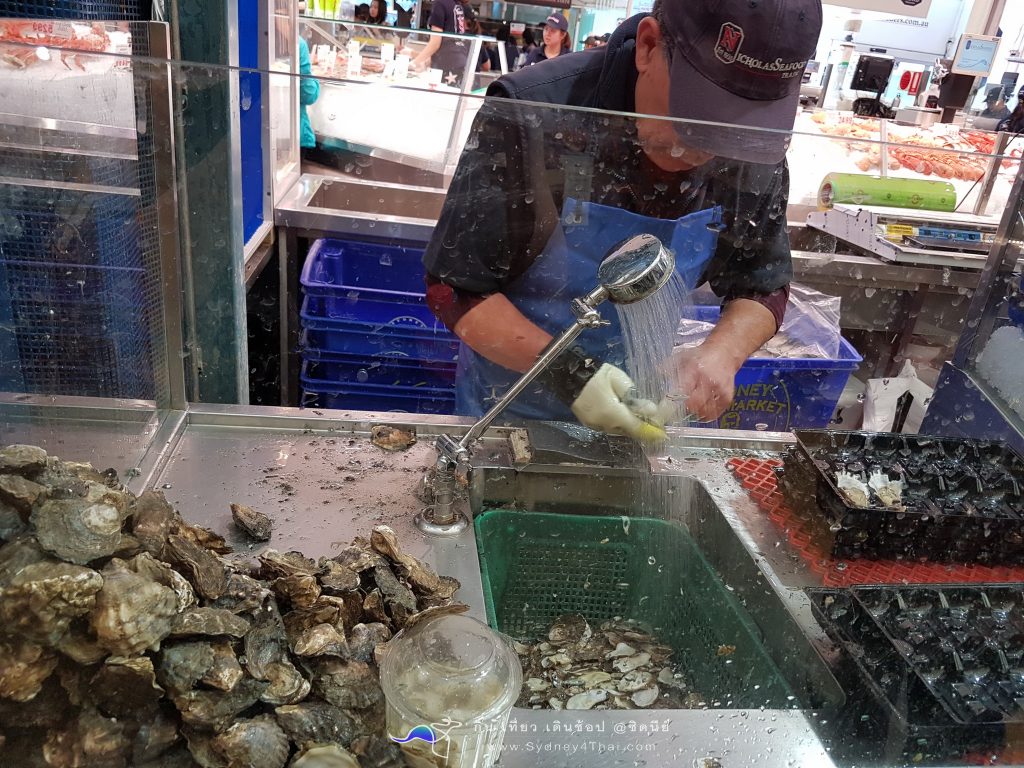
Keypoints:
(567, 269)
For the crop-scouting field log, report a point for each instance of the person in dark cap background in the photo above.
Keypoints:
(556, 39)
(995, 107)
(540, 196)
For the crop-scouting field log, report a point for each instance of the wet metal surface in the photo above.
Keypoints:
(318, 476)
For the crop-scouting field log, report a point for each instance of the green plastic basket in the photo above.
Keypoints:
(537, 566)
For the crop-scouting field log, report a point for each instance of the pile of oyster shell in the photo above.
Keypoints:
(128, 639)
(620, 666)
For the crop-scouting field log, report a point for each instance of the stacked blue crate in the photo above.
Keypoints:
(73, 282)
(369, 341)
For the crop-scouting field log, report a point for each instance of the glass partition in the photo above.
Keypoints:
(502, 252)
(417, 117)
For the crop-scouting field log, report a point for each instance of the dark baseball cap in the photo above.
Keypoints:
(558, 21)
(740, 62)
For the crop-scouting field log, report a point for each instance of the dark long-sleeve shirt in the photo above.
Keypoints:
(522, 161)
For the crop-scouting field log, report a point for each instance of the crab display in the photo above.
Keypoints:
(127, 638)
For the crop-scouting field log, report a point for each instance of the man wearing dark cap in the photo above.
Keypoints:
(556, 39)
(541, 194)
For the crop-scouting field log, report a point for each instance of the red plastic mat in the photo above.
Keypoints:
(758, 478)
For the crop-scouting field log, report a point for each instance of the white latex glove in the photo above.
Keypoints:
(608, 403)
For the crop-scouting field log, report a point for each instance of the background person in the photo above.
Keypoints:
(556, 40)
(506, 259)
(378, 13)
(995, 107)
(446, 54)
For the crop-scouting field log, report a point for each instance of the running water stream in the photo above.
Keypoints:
(649, 330)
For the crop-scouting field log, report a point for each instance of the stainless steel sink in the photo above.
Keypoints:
(348, 205)
(685, 502)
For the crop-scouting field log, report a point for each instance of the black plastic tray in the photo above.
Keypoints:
(914, 714)
(963, 500)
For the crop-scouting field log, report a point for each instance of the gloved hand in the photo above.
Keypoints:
(608, 403)
(603, 397)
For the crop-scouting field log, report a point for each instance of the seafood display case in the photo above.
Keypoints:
(374, 102)
(886, 160)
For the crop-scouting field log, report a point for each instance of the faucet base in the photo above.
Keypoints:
(425, 522)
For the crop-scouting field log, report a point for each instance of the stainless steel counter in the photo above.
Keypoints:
(321, 480)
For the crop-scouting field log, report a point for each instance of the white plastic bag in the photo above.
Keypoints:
(809, 330)
(896, 404)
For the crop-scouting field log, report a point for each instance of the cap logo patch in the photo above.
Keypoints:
(729, 41)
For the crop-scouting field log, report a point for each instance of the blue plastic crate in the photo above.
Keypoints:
(410, 318)
(334, 369)
(368, 397)
(785, 394)
(392, 335)
(358, 270)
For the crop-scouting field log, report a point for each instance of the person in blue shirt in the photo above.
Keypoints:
(309, 92)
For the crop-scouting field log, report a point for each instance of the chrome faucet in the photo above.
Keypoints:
(631, 271)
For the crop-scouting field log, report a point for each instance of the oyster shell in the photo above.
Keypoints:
(570, 628)
(181, 665)
(208, 621)
(242, 594)
(155, 737)
(646, 696)
(226, 672)
(373, 607)
(277, 564)
(203, 538)
(346, 684)
(327, 756)
(78, 532)
(315, 722)
(16, 554)
(153, 519)
(287, 685)
(126, 688)
(132, 613)
(215, 710)
(630, 663)
(392, 438)
(41, 599)
(12, 524)
(299, 590)
(20, 493)
(266, 643)
(204, 569)
(587, 699)
(146, 565)
(254, 523)
(384, 540)
(321, 640)
(256, 743)
(24, 667)
(200, 747)
(90, 740)
(24, 460)
(392, 589)
(364, 638)
(336, 578)
(358, 558)
(854, 489)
